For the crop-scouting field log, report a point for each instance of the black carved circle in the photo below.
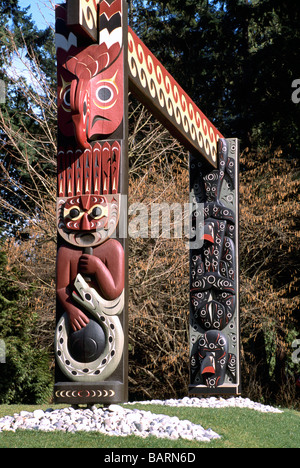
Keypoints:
(87, 344)
(104, 94)
(96, 213)
(74, 212)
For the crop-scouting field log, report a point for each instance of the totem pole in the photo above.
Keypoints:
(214, 307)
(98, 56)
(90, 339)
(214, 304)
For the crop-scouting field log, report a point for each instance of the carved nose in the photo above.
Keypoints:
(79, 111)
(208, 365)
(85, 224)
(80, 131)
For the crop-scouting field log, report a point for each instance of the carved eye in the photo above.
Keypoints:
(96, 212)
(221, 342)
(74, 213)
(104, 94)
(202, 342)
(67, 96)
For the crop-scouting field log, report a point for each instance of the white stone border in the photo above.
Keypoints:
(212, 402)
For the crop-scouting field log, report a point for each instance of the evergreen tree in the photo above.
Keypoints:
(27, 129)
(25, 375)
(22, 141)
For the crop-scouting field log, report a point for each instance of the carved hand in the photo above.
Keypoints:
(77, 318)
(88, 264)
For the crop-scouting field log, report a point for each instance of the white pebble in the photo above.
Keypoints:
(38, 414)
(122, 421)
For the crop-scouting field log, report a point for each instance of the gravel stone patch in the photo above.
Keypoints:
(123, 421)
(213, 402)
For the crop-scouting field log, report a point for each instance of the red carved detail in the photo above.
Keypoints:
(93, 171)
(106, 163)
(97, 152)
(61, 172)
(90, 92)
(70, 172)
(85, 213)
(87, 170)
(79, 163)
(115, 166)
(110, 10)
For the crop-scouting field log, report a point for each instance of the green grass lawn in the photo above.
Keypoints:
(239, 428)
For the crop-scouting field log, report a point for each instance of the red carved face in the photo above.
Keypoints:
(87, 220)
(90, 94)
(85, 213)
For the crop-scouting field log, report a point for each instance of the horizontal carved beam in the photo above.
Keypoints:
(157, 89)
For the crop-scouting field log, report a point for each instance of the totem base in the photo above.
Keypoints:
(76, 393)
(228, 390)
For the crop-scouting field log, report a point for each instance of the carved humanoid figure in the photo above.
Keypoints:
(104, 269)
(90, 287)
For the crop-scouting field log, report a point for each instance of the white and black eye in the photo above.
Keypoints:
(96, 212)
(67, 97)
(202, 342)
(222, 342)
(74, 213)
(105, 94)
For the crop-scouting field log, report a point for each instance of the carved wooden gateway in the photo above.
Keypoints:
(98, 58)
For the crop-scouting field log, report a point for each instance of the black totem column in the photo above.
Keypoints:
(214, 283)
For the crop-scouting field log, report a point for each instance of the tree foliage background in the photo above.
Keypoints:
(237, 59)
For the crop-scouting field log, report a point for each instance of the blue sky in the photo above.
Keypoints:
(41, 10)
(43, 14)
